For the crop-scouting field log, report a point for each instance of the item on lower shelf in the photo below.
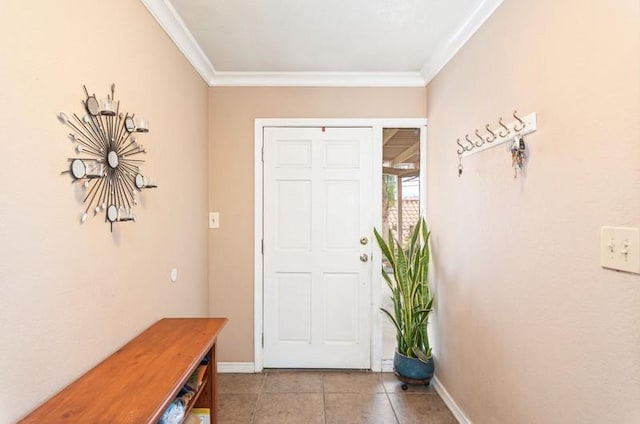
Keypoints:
(186, 394)
(192, 419)
(197, 377)
(202, 415)
(174, 413)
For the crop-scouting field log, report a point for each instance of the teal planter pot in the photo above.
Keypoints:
(412, 370)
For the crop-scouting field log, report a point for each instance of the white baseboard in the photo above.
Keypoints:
(249, 367)
(236, 367)
(448, 400)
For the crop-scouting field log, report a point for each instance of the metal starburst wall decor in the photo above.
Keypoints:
(108, 160)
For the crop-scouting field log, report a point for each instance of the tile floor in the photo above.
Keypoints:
(314, 397)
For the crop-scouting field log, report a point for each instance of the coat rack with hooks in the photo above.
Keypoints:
(477, 142)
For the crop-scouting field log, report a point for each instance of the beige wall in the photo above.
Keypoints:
(232, 112)
(71, 294)
(530, 328)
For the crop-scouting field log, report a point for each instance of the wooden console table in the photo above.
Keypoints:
(137, 383)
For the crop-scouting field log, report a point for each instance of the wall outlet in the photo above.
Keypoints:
(620, 248)
(214, 219)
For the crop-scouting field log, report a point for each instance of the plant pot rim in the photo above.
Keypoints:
(409, 357)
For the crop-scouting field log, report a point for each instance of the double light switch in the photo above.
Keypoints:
(620, 248)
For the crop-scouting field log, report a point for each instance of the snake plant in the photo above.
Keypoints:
(411, 295)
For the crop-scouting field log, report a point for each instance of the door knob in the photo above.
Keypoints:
(364, 257)
(364, 240)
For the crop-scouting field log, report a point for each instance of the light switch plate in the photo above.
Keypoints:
(620, 248)
(214, 219)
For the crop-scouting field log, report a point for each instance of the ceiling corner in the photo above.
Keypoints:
(448, 50)
(170, 21)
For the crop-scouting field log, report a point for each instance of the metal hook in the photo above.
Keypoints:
(519, 120)
(503, 126)
(463, 148)
(490, 139)
(466, 137)
(481, 139)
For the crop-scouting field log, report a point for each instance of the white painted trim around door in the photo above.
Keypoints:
(423, 171)
(377, 125)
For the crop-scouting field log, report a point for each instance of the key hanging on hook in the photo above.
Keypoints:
(518, 154)
(459, 165)
(521, 145)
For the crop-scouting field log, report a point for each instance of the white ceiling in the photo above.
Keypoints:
(320, 42)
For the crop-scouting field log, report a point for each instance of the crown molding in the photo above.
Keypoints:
(446, 51)
(319, 79)
(169, 19)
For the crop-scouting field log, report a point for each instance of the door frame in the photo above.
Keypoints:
(377, 126)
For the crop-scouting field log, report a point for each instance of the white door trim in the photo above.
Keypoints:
(377, 125)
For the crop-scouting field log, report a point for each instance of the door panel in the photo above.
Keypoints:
(341, 324)
(341, 205)
(294, 307)
(293, 215)
(317, 206)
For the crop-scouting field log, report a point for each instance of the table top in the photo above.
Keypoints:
(137, 382)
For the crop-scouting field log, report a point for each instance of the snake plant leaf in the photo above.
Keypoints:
(387, 279)
(422, 355)
(410, 291)
(391, 317)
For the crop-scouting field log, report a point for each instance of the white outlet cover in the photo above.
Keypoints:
(214, 219)
(174, 275)
(620, 248)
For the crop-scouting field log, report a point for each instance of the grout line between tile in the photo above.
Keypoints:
(386, 392)
(324, 402)
(255, 408)
(395, 415)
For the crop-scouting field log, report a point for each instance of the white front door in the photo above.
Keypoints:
(317, 287)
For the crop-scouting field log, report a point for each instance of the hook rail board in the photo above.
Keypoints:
(530, 125)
